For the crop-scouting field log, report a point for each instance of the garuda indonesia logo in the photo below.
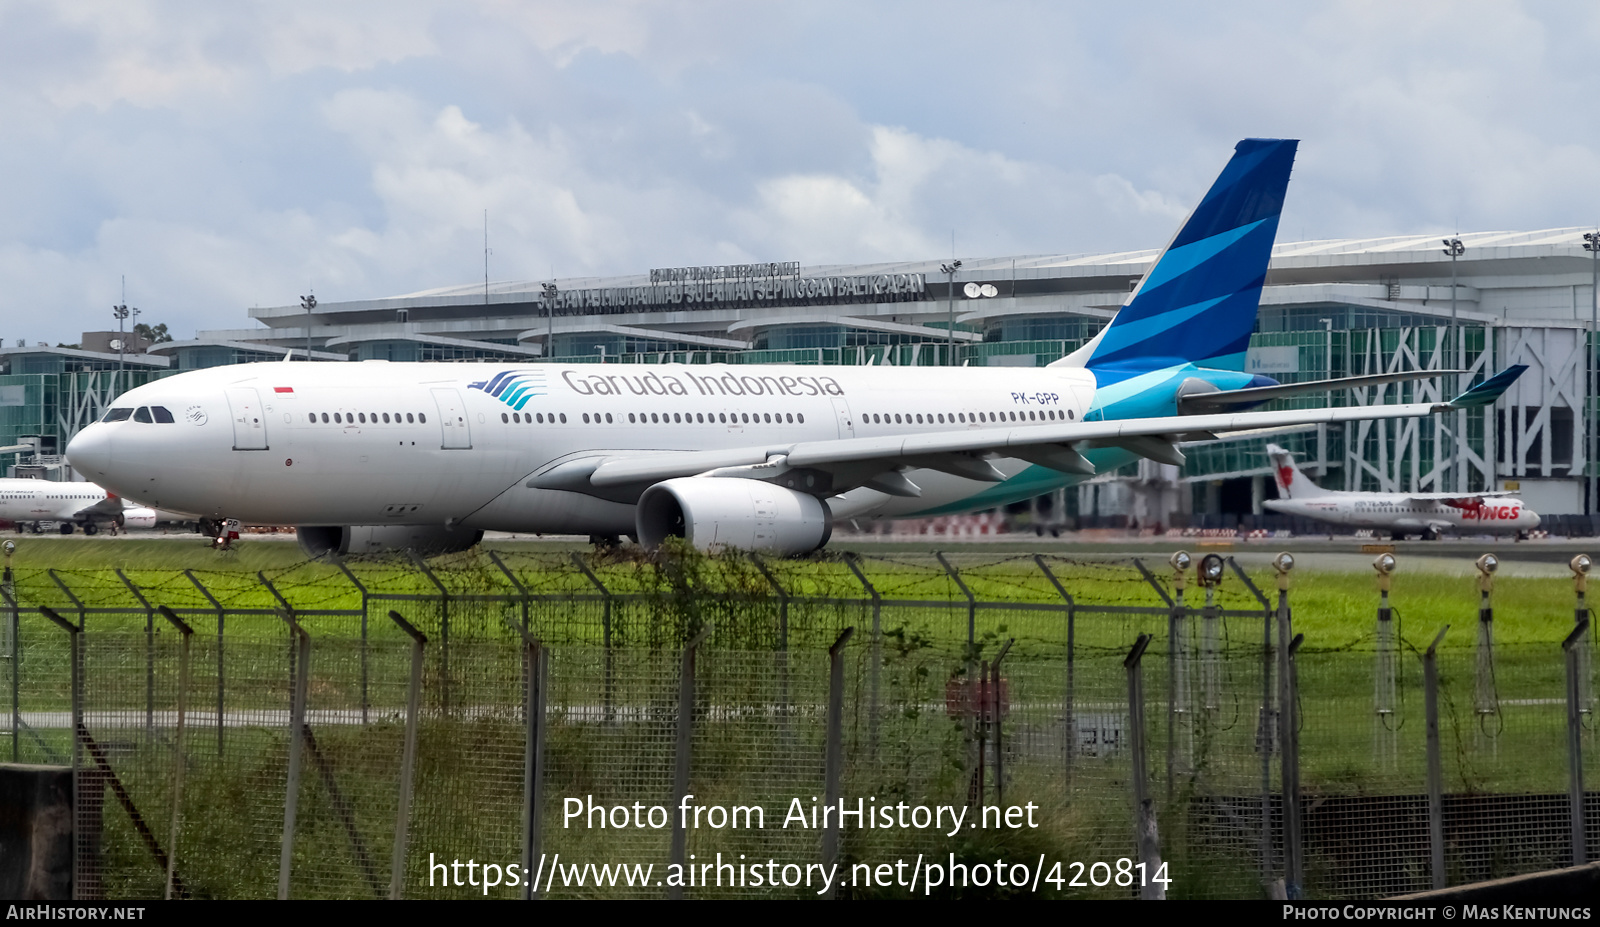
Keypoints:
(513, 387)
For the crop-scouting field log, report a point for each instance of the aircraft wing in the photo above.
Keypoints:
(108, 508)
(960, 452)
(853, 462)
(1460, 498)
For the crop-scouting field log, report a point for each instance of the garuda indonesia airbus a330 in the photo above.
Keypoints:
(761, 457)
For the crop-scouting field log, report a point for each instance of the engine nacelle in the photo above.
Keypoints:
(138, 517)
(318, 540)
(730, 512)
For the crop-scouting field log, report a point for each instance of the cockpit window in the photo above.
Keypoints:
(161, 414)
(117, 415)
(143, 415)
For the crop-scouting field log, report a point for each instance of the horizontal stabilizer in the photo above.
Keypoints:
(1223, 400)
(1489, 390)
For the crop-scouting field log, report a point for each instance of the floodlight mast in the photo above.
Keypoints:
(1591, 244)
(1454, 248)
(949, 270)
(309, 303)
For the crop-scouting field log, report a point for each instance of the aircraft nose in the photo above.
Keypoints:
(89, 451)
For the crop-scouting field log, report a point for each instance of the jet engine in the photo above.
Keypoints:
(138, 517)
(318, 540)
(730, 512)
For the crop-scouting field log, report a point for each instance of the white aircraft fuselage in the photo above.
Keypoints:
(1399, 512)
(31, 501)
(379, 443)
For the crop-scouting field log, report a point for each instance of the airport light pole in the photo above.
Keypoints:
(949, 270)
(550, 292)
(121, 311)
(309, 303)
(1591, 244)
(1454, 248)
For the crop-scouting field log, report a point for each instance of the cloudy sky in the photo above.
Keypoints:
(222, 156)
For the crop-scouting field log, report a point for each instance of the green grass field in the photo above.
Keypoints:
(471, 767)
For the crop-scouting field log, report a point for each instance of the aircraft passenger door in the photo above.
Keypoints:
(452, 419)
(841, 411)
(249, 422)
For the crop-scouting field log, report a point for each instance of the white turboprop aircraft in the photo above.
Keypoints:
(81, 505)
(428, 456)
(1399, 513)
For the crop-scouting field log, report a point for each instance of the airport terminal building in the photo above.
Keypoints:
(1329, 309)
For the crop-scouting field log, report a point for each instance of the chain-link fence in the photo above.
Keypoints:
(692, 726)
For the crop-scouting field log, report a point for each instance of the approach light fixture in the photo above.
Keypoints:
(1180, 561)
(1487, 564)
(1580, 564)
(1384, 564)
(1211, 569)
(1284, 562)
(10, 547)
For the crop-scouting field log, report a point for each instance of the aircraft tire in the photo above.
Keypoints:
(91, 528)
(66, 527)
(1397, 535)
(36, 529)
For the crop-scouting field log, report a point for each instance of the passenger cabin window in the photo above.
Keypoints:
(117, 415)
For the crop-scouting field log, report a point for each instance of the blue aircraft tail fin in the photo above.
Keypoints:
(1198, 303)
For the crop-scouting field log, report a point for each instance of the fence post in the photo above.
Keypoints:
(1279, 724)
(177, 742)
(13, 629)
(1294, 876)
(605, 634)
(81, 887)
(1485, 701)
(999, 701)
(1580, 566)
(784, 709)
(876, 657)
(536, 675)
(149, 654)
(680, 773)
(444, 629)
(833, 762)
(1069, 727)
(1385, 732)
(1430, 701)
(1573, 646)
(361, 588)
(522, 591)
(83, 613)
(408, 759)
(1146, 837)
(221, 685)
(300, 678)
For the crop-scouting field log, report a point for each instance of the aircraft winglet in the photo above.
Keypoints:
(1489, 390)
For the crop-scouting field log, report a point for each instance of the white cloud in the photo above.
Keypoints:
(224, 155)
